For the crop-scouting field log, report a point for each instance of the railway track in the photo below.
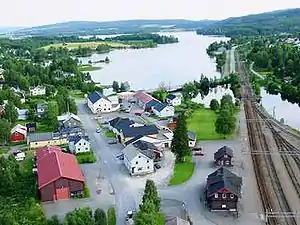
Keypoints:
(263, 163)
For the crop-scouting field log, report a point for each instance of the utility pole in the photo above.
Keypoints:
(274, 114)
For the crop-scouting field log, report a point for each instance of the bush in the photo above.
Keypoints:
(111, 216)
(86, 157)
(86, 192)
(100, 217)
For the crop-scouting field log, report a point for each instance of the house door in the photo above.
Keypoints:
(62, 193)
(166, 145)
(132, 170)
(119, 138)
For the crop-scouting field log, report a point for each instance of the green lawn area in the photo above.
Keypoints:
(90, 44)
(202, 122)
(109, 134)
(77, 94)
(86, 157)
(88, 67)
(182, 172)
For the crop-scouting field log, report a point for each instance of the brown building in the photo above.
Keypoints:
(59, 175)
(223, 190)
(223, 157)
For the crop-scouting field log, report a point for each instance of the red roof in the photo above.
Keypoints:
(143, 97)
(53, 164)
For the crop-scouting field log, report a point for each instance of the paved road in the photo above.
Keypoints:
(232, 60)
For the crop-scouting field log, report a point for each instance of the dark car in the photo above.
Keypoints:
(112, 142)
(157, 166)
(198, 153)
(138, 114)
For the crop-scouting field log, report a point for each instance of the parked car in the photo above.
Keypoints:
(129, 217)
(198, 153)
(147, 113)
(157, 166)
(98, 130)
(121, 156)
(112, 142)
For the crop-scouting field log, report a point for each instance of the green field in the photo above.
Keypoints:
(202, 122)
(84, 68)
(182, 172)
(91, 44)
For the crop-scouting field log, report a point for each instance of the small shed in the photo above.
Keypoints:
(31, 127)
(224, 156)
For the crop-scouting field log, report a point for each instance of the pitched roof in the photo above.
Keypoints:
(40, 137)
(119, 123)
(223, 178)
(76, 139)
(144, 145)
(96, 96)
(192, 135)
(20, 129)
(171, 96)
(142, 130)
(67, 116)
(143, 97)
(71, 131)
(130, 152)
(151, 103)
(176, 221)
(42, 106)
(222, 151)
(136, 138)
(53, 164)
(159, 107)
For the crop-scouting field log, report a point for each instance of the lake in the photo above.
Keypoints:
(171, 64)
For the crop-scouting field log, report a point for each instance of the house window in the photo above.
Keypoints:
(84, 143)
(147, 161)
(48, 142)
(36, 143)
(224, 196)
(224, 206)
(148, 167)
(136, 162)
(231, 196)
(86, 149)
(79, 143)
(225, 156)
(139, 156)
(140, 169)
(216, 195)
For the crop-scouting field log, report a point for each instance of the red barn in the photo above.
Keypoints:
(59, 175)
(18, 133)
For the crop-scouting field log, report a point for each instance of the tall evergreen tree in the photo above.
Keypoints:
(150, 193)
(179, 145)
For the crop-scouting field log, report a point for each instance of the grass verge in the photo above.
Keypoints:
(111, 216)
(202, 122)
(84, 68)
(182, 171)
(109, 134)
(86, 157)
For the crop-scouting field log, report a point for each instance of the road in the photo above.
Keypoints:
(232, 60)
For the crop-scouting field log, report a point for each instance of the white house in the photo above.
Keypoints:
(79, 144)
(137, 162)
(173, 100)
(192, 139)
(162, 110)
(22, 114)
(20, 156)
(98, 103)
(38, 90)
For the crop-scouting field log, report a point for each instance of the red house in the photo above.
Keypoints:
(59, 175)
(18, 133)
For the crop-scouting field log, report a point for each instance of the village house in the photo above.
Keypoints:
(149, 105)
(22, 114)
(18, 133)
(223, 190)
(117, 124)
(224, 156)
(72, 131)
(37, 90)
(41, 109)
(138, 162)
(192, 136)
(149, 149)
(128, 133)
(173, 100)
(142, 98)
(38, 140)
(59, 175)
(68, 120)
(162, 110)
(79, 144)
(98, 103)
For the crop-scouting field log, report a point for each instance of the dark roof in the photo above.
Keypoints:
(120, 123)
(76, 139)
(142, 130)
(53, 164)
(95, 96)
(31, 124)
(144, 145)
(223, 178)
(192, 135)
(40, 137)
(136, 138)
(151, 104)
(71, 131)
(159, 107)
(222, 151)
(171, 96)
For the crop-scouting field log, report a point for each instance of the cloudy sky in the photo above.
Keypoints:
(39, 12)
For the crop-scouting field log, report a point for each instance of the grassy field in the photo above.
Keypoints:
(91, 44)
(84, 68)
(202, 121)
(182, 172)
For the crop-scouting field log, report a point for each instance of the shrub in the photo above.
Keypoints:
(86, 157)
(111, 216)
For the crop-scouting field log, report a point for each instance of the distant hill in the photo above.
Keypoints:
(4, 30)
(265, 23)
(112, 27)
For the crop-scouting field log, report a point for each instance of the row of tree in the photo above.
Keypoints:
(120, 87)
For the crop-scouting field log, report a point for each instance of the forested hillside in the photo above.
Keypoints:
(259, 24)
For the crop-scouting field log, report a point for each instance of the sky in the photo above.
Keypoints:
(26, 13)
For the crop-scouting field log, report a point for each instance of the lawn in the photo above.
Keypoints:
(91, 44)
(4, 150)
(182, 172)
(202, 122)
(86, 157)
(109, 134)
(88, 67)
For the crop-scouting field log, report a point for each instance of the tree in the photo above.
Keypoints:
(214, 105)
(51, 114)
(100, 217)
(150, 193)
(115, 86)
(111, 216)
(11, 113)
(125, 86)
(179, 145)
(225, 123)
(53, 221)
(189, 91)
(160, 94)
(227, 100)
(4, 130)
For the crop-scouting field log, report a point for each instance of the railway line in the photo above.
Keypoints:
(269, 184)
